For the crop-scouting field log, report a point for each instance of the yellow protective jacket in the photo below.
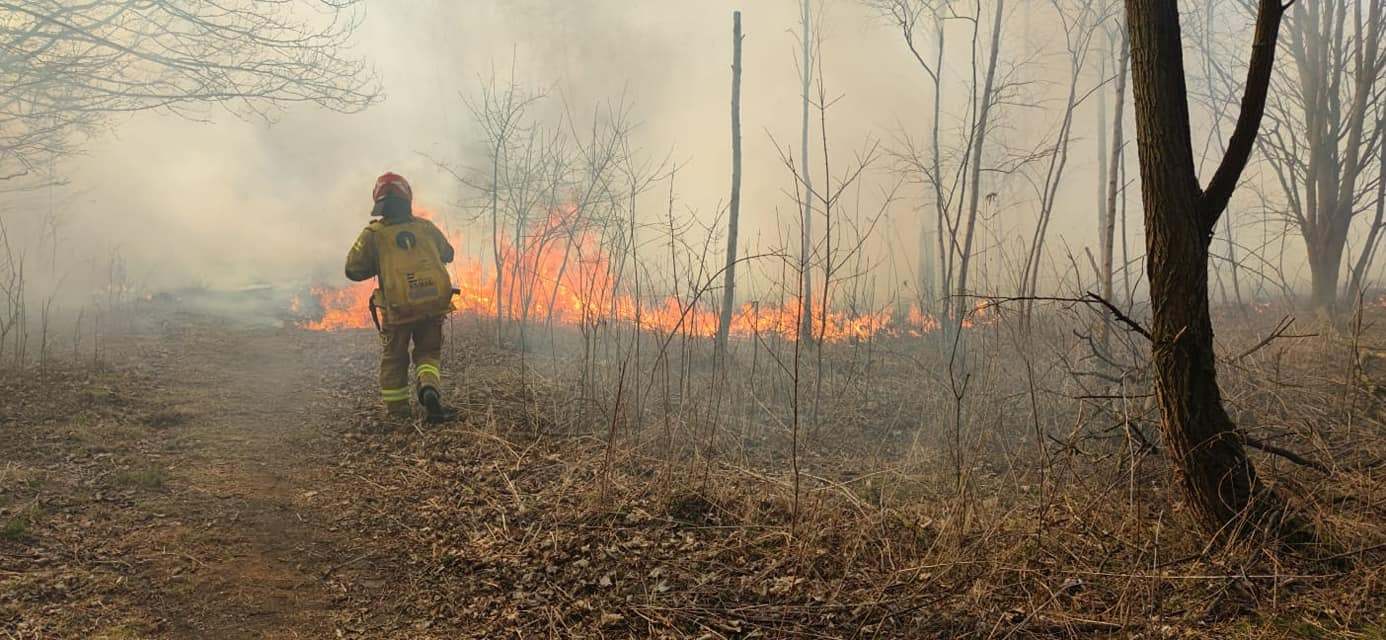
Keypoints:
(400, 253)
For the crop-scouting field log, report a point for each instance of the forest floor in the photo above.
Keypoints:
(176, 490)
(213, 479)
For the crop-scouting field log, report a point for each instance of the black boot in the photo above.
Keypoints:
(433, 403)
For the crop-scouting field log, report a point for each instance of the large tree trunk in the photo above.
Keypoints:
(1325, 260)
(729, 274)
(1223, 491)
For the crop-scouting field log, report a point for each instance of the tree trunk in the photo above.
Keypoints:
(1368, 253)
(1113, 175)
(1220, 484)
(729, 275)
(495, 240)
(1325, 259)
(979, 141)
(941, 231)
(1102, 145)
(806, 219)
(1058, 161)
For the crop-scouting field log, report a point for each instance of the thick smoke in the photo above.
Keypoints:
(212, 199)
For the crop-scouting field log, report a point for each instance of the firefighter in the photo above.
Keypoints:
(406, 255)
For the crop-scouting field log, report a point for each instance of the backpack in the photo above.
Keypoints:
(414, 282)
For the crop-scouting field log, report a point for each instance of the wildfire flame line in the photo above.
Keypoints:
(569, 280)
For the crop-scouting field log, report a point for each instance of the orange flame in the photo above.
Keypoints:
(344, 308)
(561, 274)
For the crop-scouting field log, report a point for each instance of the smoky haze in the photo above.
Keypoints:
(214, 199)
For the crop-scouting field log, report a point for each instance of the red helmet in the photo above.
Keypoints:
(391, 184)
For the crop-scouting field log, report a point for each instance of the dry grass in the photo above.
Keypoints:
(610, 496)
(553, 508)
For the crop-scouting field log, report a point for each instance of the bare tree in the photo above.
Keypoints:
(915, 19)
(501, 112)
(12, 314)
(536, 184)
(1224, 492)
(1367, 254)
(66, 65)
(1081, 21)
(599, 147)
(1113, 174)
(734, 215)
(956, 185)
(806, 211)
(1323, 138)
(980, 127)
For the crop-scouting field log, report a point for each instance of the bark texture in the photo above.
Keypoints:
(1223, 491)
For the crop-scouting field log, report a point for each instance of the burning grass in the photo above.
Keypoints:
(562, 275)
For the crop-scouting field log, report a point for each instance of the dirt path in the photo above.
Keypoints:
(244, 483)
(183, 494)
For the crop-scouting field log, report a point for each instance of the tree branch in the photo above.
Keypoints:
(1286, 454)
(1219, 191)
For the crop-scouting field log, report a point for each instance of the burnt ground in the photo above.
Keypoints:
(210, 479)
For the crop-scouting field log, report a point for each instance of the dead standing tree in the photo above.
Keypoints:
(1224, 493)
(806, 209)
(734, 215)
(1113, 176)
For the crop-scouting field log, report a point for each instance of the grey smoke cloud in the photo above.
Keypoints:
(226, 201)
